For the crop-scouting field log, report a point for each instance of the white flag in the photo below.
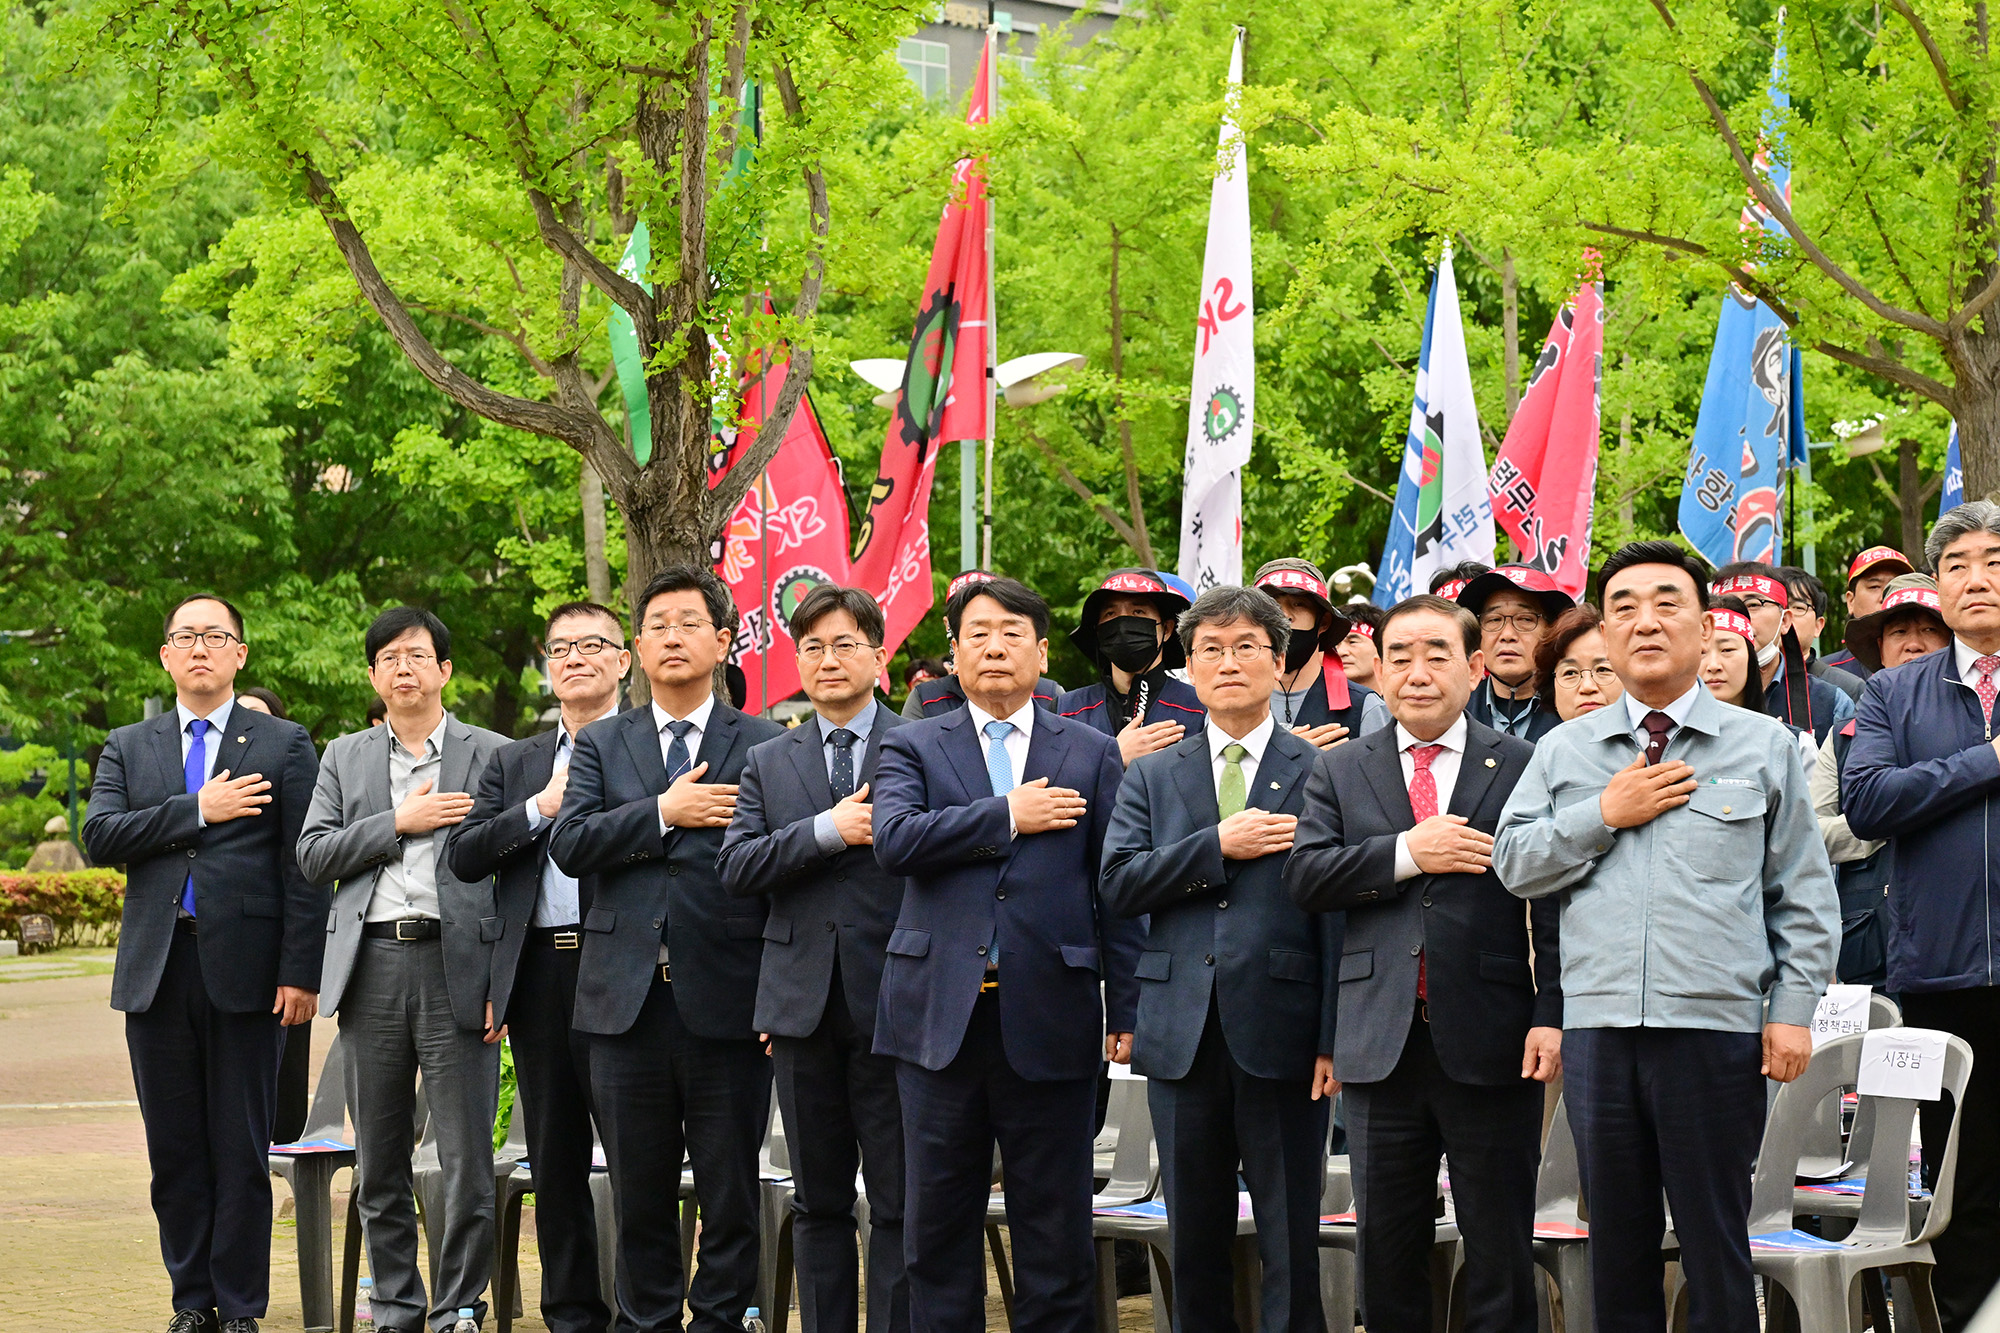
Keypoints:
(1225, 371)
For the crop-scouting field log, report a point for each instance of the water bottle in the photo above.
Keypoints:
(753, 1321)
(363, 1314)
(468, 1315)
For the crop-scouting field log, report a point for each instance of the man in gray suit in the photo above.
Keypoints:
(408, 959)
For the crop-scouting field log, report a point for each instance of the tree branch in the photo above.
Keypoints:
(1951, 93)
(1104, 511)
(629, 295)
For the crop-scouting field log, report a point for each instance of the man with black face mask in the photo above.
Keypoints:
(1127, 633)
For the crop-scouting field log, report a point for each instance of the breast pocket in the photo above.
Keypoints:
(1726, 841)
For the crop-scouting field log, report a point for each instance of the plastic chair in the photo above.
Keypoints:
(515, 1190)
(429, 1188)
(309, 1171)
(1338, 1286)
(775, 1271)
(1826, 1154)
(1820, 1279)
(1562, 1237)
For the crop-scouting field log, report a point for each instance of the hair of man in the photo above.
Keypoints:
(1970, 517)
(693, 578)
(400, 620)
(827, 598)
(587, 610)
(167, 621)
(1222, 605)
(1465, 571)
(1012, 595)
(1654, 552)
(1468, 624)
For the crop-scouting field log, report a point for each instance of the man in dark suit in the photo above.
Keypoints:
(667, 983)
(535, 961)
(1447, 1030)
(408, 965)
(803, 834)
(218, 953)
(990, 996)
(1236, 994)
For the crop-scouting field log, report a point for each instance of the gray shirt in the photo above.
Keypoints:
(407, 886)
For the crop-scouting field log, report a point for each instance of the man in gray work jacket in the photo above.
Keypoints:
(1699, 925)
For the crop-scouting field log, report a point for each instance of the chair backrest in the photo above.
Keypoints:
(1883, 1012)
(777, 1155)
(1132, 1158)
(327, 1117)
(1559, 1183)
(1827, 1152)
(1957, 1074)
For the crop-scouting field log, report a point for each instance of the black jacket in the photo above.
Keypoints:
(935, 698)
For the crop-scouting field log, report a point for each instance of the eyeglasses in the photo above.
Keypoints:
(590, 646)
(841, 649)
(1246, 653)
(1570, 678)
(1524, 622)
(1755, 604)
(185, 639)
(660, 629)
(416, 660)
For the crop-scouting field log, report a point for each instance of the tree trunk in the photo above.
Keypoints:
(596, 569)
(1977, 412)
(1909, 496)
(1510, 330)
(1626, 524)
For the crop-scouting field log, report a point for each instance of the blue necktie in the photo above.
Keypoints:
(999, 770)
(193, 774)
(678, 759)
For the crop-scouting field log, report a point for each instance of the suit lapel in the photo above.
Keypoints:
(234, 746)
(643, 742)
(1046, 748)
(167, 750)
(885, 721)
(1385, 774)
(1475, 771)
(1194, 775)
(717, 739)
(1284, 762)
(809, 758)
(455, 758)
(964, 748)
(375, 772)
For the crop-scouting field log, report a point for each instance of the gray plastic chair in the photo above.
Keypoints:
(775, 1191)
(1826, 1154)
(429, 1188)
(310, 1176)
(1338, 1290)
(1821, 1281)
(1562, 1237)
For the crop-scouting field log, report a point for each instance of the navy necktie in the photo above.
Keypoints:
(842, 741)
(679, 760)
(194, 772)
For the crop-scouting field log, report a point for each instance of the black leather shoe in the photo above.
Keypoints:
(239, 1326)
(192, 1321)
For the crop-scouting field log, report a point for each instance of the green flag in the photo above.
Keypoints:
(625, 353)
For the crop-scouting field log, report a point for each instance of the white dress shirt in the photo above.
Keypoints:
(557, 904)
(1444, 772)
(407, 887)
(1965, 654)
(212, 743)
(699, 717)
(1016, 744)
(1254, 743)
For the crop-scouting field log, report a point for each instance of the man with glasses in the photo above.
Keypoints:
(1237, 984)
(218, 953)
(1800, 700)
(804, 834)
(408, 962)
(1515, 606)
(535, 961)
(667, 980)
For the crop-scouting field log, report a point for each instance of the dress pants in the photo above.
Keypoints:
(663, 1094)
(398, 1023)
(1208, 1122)
(294, 1085)
(1683, 1108)
(1492, 1136)
(1968, 1253)
(842, 1115)
(952, 1117)
(207, 1083)
(554, 1099)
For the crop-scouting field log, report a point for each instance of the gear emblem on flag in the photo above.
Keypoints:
(791, 588)
(1223, 416)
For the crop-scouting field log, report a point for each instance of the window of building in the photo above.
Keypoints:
(928, 64)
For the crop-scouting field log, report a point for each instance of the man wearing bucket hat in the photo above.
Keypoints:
(1909, 624)
(1791, 694)
(935, 698)
(1127, 632)
(1515, 605)
(1314, 698)
(1868, 577)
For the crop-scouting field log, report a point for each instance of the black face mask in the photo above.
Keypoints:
(1129, 643)
(1299, 650)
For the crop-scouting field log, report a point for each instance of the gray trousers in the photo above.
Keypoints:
(397, 1021)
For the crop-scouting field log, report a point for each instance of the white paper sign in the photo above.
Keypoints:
(1842, 1010)
(1902, 1062)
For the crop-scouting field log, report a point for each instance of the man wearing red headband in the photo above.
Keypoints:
(1791, 694)
(1515, 606)
(1868, 578)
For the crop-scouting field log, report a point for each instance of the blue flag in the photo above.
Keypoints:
(1751, 427)
(1952, 494)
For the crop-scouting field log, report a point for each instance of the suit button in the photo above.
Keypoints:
(673, 870)
(1416, 949)
(190, 854)
(981, 951)
(1222, 906)
(1427, 900)
(1208, 958)
(999, 896)
(840, 874)
(658, 922)
(829, 926)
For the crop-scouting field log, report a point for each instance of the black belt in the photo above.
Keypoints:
(556, 937)
(184, 924)
(409, 930)
(666, 972)
(989, 984)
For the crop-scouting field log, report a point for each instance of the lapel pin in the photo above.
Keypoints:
(1274, 786)
(1492, 763)
(242, 740)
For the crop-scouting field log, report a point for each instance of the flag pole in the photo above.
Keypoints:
(992, 307)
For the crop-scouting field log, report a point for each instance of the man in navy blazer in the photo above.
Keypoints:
(803, 833)
(667, 981)
(219, 949)
(991, 993)
(1237, 990)
(1447, 1029)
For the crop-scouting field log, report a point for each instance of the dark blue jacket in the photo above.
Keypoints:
(1845, 660)
(935, 698)
(1176, 702)
(1222, 928)
(938, 823)
(1922, 771)
(1542, 718)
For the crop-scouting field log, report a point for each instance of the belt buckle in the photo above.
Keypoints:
(990, 984)
(666, 972)
(566, 939)
(406, 939)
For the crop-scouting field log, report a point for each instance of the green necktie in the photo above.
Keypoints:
(1229, 793)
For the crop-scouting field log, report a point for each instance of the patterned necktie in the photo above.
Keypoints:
(999, 769)
(1986, 666)
(194, 772)
(679, 760)
(1424, 805)
(1659, 726)
(842, 741)
(1230, 791)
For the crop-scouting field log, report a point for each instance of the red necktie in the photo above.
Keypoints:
(1424, 805)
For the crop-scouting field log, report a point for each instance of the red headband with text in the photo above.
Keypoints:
(966, 580)
(1771, 590)
(1923, 597)
(1364, 629)
(1450, 591)
(1734, 622)
(1294, 580)
(1873, 556)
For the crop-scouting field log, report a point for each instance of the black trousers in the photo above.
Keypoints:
(549, 1070)
(1396, 1130)
(842, 1115)
(1968, 1253)
(208, 1086)
(1206, 1124)
(1680, 1108)
(294, 1084)
(952, 1117)
(661, 1094)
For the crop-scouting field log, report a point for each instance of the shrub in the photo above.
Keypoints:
(85, 904)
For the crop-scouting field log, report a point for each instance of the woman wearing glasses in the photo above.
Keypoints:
(1574, 670)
